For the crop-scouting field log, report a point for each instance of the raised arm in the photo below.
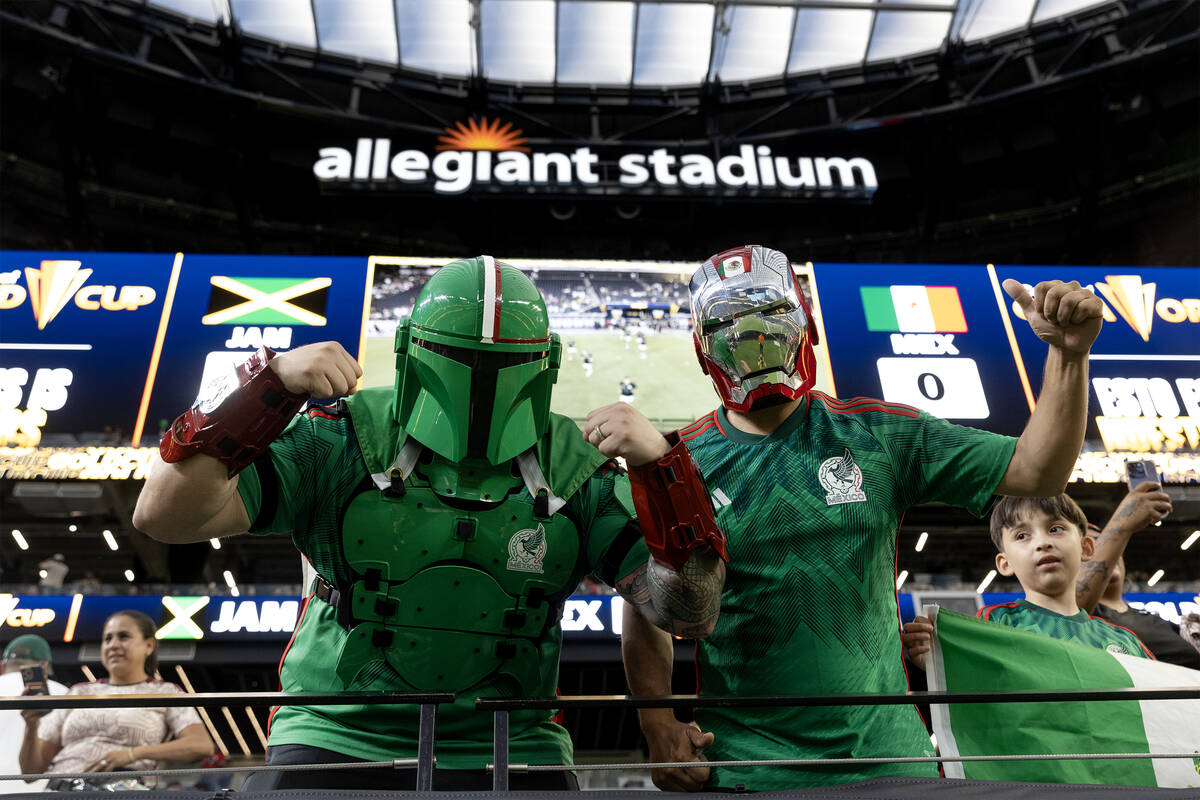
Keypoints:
(1145, 505)
(191, 493)
(679, 587)
(35, 753)
(1068, 318)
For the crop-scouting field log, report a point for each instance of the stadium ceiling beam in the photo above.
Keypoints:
(840, 95)
(295, 84)
(103, 28)
(187, 53)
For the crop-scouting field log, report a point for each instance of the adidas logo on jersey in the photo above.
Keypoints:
(720, 499)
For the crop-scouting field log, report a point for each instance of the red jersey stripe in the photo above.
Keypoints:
(986, 611)
(1131, 633)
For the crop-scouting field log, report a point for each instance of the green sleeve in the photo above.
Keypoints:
(937, 461)
(281, 491)
(613, 543)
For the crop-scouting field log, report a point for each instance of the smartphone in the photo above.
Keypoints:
(1140, 472)
(35, 679)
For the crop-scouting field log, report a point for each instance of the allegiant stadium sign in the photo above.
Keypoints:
(487, 156)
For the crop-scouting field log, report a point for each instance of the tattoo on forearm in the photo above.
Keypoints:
(634, 588)
(1090, 571)
(689, 597)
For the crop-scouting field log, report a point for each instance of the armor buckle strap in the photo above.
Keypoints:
(326, 591)
(673, 507)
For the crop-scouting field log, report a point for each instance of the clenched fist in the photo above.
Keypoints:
(323, 369)
(1063, 315)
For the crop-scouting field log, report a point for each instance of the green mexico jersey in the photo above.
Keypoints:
(811, 513)
(315, 469)
(1080, 627)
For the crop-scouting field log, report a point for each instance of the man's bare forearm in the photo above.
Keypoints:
(686, 602)
(1110, 545)
(1049, 446)
(649, 657)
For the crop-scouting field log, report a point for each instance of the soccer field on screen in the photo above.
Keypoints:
(671, 389)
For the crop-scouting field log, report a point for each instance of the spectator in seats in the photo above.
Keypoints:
(27, 650)
(88, 584)
(1163, 638)
(115, 739)
(811, 490)
(55, 569)
(1043, 541)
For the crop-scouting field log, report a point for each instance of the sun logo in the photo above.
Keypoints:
(483, 135)
(1132, 299)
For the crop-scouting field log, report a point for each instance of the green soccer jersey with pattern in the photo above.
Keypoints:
(811, 512)
(314, 470)
(1079, 627)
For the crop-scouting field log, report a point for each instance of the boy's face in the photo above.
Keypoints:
(1044, 552)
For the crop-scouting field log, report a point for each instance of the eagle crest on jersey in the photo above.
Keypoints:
(526, 549)
(842, 479)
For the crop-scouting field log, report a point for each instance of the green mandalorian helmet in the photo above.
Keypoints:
(475, 363)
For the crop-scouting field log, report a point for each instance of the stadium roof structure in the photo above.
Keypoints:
(986, 138)
(622, 43)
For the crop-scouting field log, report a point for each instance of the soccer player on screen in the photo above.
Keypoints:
(812, 492)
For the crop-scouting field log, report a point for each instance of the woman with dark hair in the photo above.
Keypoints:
(111, 739)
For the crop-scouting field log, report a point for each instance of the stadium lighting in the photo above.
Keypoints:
(921, 540)
(21, 543)
(42, 573)
(901, 578)
(108, 537)
(1155, 578)
(1158, 524)
(1189, 541)
(231, 583)
(129, 575)
(216, 543)
(986, 582)
(72, 527)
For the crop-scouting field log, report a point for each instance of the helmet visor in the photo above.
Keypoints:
(753, 336)
(485, 366)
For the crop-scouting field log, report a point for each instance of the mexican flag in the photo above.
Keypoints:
(971, 655)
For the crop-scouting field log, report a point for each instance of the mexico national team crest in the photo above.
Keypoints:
(526, 549)
(842, 479)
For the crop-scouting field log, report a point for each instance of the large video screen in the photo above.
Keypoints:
(98, 351)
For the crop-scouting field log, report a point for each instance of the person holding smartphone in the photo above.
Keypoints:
(112, 739)
(24, 669)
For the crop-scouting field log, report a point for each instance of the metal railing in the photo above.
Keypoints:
(501, 766)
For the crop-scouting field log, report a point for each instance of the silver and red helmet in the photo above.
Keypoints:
(753, 329)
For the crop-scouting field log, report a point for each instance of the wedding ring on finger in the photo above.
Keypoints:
(600, 430)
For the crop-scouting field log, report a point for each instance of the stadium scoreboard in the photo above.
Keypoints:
(109, 347)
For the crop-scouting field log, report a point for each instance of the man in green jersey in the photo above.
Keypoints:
(447, 518)
(1043, 541)
(810, 491)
